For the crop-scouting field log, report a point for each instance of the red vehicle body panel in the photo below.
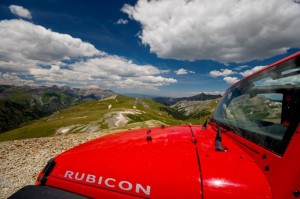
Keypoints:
(283, 173)
(231, 174)
(178, 162)
(168, 164)
(130, 157)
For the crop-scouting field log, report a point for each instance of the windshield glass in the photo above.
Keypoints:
(264, 108)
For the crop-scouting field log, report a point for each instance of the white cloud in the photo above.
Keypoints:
(249, 72)
(20, 11)
(230, 80)
(24, 45)
(41, 54)
(241, 67)
(220, 30)
(183, 71)
(122, 21)
(120, 72)
(107, 71)
(114, 65)
(223, 72)
(13, 79)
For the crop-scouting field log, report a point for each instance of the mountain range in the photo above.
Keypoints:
(22, 105)
(169, 101)
(28, 112)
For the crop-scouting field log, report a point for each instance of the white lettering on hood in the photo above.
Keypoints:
(108, 182)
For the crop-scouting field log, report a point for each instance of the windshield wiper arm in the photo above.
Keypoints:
(218, 140)
(205, 124)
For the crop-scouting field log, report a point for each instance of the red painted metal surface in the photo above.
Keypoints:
(283, 173)
(230, 174)
(167, 164)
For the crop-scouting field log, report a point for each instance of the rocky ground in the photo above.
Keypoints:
(22, 160)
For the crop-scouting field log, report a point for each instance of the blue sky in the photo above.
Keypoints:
(165, 48)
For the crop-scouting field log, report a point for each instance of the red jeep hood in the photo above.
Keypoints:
(165, 167)
(171, 165)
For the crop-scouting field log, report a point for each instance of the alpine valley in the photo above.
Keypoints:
(28, 112)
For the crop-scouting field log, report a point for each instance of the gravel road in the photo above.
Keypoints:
(22, 160)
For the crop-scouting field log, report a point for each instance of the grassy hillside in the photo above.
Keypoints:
(169, 101)
(115, 113)
(21, 105)
(197, 111)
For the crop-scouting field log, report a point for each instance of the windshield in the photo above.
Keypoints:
(264, 108)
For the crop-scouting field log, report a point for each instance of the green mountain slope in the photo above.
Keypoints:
(118, 112)
(20, 105)
(169, 101)
(196, 110)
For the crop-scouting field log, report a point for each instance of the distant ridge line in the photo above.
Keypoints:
(168, 101)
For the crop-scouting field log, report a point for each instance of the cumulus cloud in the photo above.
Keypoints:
(249, 72)
(122, 21)
(24, 45)
(14, 79)
(220, 30)
(183, 71)
(20, 11)
(241, 67)
(230, 80)
(120, 72)
(107, 71)
(49, 58)
(115, 65)
(223, 72)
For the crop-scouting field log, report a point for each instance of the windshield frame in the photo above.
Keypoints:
(277, 146)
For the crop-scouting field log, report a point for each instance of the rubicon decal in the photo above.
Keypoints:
(109, 182)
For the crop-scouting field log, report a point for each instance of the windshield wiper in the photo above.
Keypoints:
(205, 124)
(218, 140)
